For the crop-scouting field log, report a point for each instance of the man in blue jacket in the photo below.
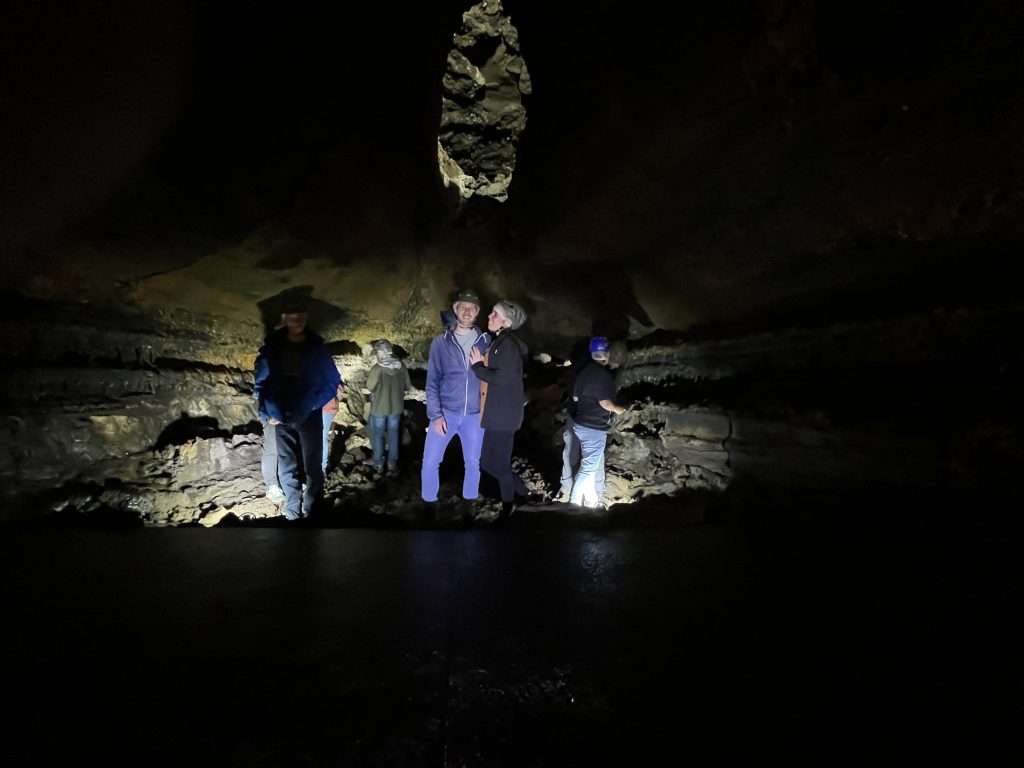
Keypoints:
(295, 378)
(453, 399)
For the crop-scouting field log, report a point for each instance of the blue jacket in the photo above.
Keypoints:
(316, 384)
(451, 386)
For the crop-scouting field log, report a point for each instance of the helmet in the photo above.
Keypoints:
(467, 296)
(599, 345)
(511, 312)
(382, 347)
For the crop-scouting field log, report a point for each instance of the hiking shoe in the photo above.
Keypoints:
(275, 494)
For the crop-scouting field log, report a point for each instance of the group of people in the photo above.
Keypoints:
(474, 389)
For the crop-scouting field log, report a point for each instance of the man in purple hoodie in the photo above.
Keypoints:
(453, 399)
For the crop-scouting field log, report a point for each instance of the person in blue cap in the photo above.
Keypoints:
(591, 409)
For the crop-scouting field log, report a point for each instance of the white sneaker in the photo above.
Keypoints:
(275, 494)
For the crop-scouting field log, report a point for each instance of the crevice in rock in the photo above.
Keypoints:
(187, 429)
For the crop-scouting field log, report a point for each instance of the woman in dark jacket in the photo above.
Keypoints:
(501, 398)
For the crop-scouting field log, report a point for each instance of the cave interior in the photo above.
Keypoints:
(804, 221)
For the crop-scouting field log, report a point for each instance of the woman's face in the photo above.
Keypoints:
(496, 322)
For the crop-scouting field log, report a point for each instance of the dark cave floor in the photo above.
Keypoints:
(837, 635)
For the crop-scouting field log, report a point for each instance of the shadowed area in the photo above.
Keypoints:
(801, 219)
(842, 641)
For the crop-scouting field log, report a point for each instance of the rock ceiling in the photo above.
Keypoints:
(755, 157)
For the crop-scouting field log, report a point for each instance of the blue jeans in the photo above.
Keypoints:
(570, 456)
(300, 446)
(471, 435)
(268, 457)
(328, 419)
(381, 427)
(584, 487)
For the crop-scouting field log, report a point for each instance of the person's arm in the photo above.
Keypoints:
(330, 378)
(611, 406)
(260, 373)
(267, 409)
(501, 368)
(373, 378)
(434, 376)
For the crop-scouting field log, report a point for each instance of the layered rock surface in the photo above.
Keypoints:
(820, 206)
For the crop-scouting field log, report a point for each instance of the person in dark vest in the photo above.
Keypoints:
(295, 378)
(502, 400)
(591, 409)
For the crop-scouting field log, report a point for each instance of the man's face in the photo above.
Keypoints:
(295, 322)
(466, 312)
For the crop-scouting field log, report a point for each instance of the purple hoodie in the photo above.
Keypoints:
(451, 385)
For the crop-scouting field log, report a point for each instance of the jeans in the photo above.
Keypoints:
(328, 419)
(300, 446)
(571, 463)
(570, 457)
(268, 457)
(471, 435)
(584, 487)
(496, 460)
(381, 427)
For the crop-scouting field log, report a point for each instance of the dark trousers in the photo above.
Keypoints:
(496, 460)
(300, 447)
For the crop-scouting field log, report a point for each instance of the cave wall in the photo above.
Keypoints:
(781, 186)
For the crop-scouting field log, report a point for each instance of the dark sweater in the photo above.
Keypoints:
(502, 399)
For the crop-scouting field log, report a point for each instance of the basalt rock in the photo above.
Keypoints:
(199, 481)
(482, 113)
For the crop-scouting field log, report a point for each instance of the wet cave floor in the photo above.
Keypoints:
(841, 634)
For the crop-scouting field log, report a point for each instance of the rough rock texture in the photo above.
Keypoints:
(796, 410)
(482, 114)
(199, 481)
(805, 217)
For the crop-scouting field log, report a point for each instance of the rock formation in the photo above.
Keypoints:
(482, 113)
(804, 218)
